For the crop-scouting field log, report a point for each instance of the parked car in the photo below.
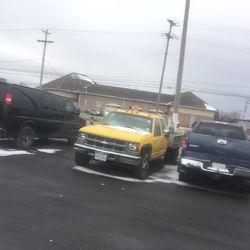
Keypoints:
(215, 148)
(26, 113)
(110, 107)
(95, 111)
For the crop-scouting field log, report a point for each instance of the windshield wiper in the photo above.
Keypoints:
(135, 128)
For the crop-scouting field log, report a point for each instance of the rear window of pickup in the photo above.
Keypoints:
(220, 130)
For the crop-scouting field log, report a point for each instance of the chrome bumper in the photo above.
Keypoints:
(205, 166)
(112, 156)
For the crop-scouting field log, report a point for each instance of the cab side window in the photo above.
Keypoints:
(157, 128)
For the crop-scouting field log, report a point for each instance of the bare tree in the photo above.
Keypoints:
(232, 116)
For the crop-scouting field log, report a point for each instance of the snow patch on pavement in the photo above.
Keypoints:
(48, 150)
(90, 171)
(9, 152)
(163, 176)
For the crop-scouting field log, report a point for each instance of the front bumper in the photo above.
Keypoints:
(187, 164)
(110, 155)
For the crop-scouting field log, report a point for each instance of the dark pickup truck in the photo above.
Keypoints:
(220, 149)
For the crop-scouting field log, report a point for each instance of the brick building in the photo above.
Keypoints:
(88, 94)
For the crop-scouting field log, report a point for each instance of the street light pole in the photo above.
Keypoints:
(181, 59)
(168, 35)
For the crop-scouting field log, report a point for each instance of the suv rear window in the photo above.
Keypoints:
(220, 130)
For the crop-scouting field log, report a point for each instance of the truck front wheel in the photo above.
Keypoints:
(81, 159)
(141, 170)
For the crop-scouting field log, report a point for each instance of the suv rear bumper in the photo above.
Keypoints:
(110, 155)
(188, 164)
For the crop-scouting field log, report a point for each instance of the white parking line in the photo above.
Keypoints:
(48, 150)
(161, 177)
(9, 152)
(167, 175)
(90, 171)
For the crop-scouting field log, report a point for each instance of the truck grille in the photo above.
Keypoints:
(106, 143)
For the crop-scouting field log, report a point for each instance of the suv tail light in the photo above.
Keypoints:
(8, 98)
(185, 143)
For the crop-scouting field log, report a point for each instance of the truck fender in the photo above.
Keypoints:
(146, 148)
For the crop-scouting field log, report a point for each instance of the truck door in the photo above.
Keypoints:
(159, 140)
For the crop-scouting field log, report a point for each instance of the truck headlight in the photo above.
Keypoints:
(81, 137)
(133, 147)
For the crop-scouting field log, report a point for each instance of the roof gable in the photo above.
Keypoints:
(83, 84)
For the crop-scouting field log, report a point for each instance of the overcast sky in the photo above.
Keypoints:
(121, 43)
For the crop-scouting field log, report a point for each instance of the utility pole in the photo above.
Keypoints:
(247, 102)
(45, 41)
(181, 59)
(169, 36)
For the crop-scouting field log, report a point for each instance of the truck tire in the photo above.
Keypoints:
(81, 159)
(25, 137)
(141, 170)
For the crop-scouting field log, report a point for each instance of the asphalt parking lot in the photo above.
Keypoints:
(47, 202)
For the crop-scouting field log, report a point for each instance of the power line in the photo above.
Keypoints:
(154, 80)
(169, 87)
(19, 30)
(20, 60)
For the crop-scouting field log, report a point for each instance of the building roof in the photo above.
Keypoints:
(83, 84)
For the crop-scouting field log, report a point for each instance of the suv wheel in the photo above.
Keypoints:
(141, 170)
(25, 137)
(81, 159)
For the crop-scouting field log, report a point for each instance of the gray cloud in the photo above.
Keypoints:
(120, 43)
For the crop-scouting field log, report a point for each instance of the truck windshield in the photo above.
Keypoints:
(139, 123)
(221, 130)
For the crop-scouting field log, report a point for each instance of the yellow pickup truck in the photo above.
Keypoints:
(124, 136)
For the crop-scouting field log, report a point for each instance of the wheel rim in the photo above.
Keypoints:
(27, 138)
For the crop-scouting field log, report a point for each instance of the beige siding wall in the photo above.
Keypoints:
(69, 95)
(89, 101)
(187, 116)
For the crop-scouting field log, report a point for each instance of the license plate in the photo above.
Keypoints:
(219, 166)
(100, 156)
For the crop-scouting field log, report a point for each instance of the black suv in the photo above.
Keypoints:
(26, 113)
